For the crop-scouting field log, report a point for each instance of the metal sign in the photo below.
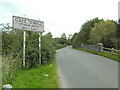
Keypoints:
(26, 24)
(22, 23)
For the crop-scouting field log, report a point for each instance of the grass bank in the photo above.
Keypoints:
(105, 54)
(44, 76)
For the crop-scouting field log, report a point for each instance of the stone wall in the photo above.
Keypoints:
(97, 48)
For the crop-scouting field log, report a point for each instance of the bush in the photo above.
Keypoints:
(48, 48)
(32, 49)
(59, 46)
(13, 43)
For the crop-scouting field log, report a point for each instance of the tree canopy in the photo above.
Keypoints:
(97, 31)
(101, 29)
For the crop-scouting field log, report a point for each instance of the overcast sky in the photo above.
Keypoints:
(59, 16)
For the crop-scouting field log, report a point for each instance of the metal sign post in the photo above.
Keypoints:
(26, 24)
(24, 39)
(40, 34)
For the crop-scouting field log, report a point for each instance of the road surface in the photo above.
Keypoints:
(0, 72)
(79, 69)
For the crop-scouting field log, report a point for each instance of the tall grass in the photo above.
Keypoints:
(9, 65)
(44, 76)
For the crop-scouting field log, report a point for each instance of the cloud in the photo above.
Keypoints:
(8, 9)
(59, 15)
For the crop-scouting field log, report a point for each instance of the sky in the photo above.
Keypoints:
(59, 16)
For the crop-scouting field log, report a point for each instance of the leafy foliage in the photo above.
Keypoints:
(98, 31)
(48, 49)
(69, 39)
(74, 40)
(84, 34)
(61, 42)
(102, 30)
(32, 49)
(12, 43)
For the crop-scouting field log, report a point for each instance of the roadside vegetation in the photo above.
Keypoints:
(91, 32)
(33, 75)
(105, 54)
(44, 76)
(63, 41)
(96, 31)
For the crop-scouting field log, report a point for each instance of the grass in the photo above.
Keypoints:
(8, 68)
(105, 54)
(36, 77)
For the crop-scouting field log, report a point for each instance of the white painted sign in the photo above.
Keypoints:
(22, 23)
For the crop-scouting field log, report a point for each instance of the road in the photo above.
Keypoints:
(0, 72)
(79, 69)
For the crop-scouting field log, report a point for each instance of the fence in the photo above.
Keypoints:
(112, 51)
(9, 64)
(100, 48)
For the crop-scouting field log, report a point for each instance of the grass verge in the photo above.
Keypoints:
(44, 76)
(105, 54)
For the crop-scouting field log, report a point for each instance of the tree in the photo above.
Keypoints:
(69, 39)
(12, 43)
(74, 41)
(86, 29)
(118, 34)
(63, 39)
(104, 32)
(48, 48)
(84, 34)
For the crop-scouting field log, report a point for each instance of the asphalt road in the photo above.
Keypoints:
(0, 72)
(79, 69)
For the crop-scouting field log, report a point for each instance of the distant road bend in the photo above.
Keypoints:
(79, 69)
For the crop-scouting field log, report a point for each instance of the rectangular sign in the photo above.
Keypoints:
(22, 23)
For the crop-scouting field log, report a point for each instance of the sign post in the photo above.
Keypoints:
(24, 39)
(40, 34)
(26, 24)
